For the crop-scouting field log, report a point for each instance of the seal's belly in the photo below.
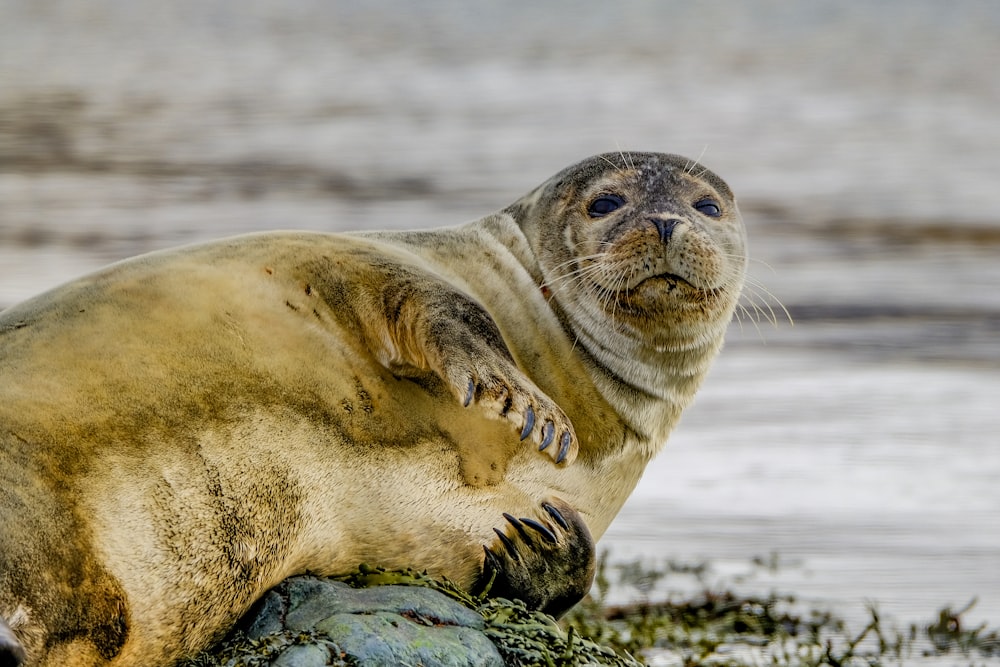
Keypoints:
(242, 433)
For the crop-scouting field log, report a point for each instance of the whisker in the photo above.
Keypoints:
(575, 275)
(578, 260)
(757, 314)
(689, 165)
(755, 321)
(698, 160)
(761, 309)
(612, 300)
(616, 167)
(757, 289)
(764, 264)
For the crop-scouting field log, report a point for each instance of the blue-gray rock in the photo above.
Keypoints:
(310, 600)
(305, 655)
(396, 618)
(312, 622)
(385, 638)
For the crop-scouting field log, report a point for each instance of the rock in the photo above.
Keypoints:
(306, 655)
(315, 622)
(385, 625)
(310, 600)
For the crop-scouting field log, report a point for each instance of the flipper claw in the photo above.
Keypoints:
(547, 561)
(508, 545)
(518, 525)
(554, 513)
(545, 532)
(548, 433)
(563, 447)
(469, 393)
(529, 423)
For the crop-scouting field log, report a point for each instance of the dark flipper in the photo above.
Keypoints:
(547, 562)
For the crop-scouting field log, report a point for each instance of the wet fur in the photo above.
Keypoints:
(181, 431)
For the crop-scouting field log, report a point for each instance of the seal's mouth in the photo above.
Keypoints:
(671, 281)
(672, 278)
(667, 287)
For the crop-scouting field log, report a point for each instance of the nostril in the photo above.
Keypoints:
(665, 227)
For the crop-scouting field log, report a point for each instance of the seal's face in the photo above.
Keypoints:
(650, 244)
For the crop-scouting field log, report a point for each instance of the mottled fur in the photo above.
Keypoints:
(181, 431)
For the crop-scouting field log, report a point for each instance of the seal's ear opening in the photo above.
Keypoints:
(517, 211)
(521, 209)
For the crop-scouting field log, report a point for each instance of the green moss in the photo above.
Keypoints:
(520, 636)
(241, 651)
(720, 627)
(711, 627)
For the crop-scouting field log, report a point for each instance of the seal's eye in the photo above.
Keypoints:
(603, 205)
(709, 207)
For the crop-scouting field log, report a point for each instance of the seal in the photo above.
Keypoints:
(181, 431)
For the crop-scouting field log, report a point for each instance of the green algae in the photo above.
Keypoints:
(715, 626)
(711, 627)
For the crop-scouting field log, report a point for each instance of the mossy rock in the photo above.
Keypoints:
(379, 617)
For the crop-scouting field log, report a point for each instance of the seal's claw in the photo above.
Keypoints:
(564, 443)
(469, 393)
(508, 544)
(512, 520)
(548, 432)
(554, 513)
(529, 423)
(504, 392)
(545, 532)
(549, 566)
(518, 526)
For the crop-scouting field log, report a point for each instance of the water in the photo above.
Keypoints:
(860, 445)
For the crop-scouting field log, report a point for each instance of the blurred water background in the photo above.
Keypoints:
(863, 141)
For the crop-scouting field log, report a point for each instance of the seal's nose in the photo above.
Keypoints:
(665, 227)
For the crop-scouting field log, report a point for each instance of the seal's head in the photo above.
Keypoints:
(646, 247)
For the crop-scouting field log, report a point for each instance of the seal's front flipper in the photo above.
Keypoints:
(495, 384)
(548, 563)
(432, 326)
(481, 371)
